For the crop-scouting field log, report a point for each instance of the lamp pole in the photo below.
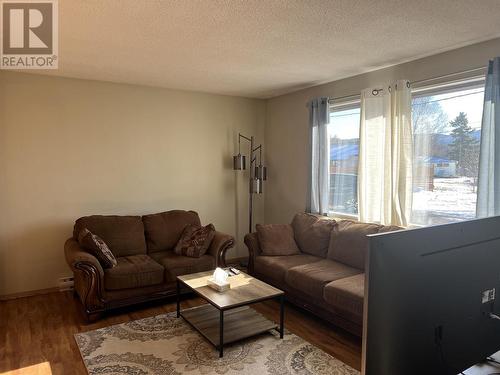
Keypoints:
(256, 176)
(250, 204)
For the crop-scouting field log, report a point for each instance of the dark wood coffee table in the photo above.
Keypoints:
(228, 317)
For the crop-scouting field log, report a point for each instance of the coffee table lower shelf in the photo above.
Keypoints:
(238, 323)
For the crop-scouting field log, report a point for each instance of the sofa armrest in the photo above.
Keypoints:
(88, 276)
(220, 245)
(75, 255)
(252, 242)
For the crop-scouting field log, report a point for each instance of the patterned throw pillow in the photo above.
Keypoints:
(97, 247)
(195, 240)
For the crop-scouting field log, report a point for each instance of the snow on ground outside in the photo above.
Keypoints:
(453, 199)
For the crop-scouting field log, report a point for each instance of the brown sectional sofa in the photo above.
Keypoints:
(147, 266)
(327, 277)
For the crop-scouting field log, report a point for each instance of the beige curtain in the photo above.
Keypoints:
(385, 155)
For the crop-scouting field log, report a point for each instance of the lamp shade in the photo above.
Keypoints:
(256, 186)
(261, 172)
(239, 162)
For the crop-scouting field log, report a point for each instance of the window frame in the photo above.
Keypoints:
(445, 87)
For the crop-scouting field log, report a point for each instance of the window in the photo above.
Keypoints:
(446, 123)
(447, 131)
(343, 133)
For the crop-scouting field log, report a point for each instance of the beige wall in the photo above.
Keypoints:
(287, 135)
(70, 148)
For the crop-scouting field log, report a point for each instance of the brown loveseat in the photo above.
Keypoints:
(327, 277)
(147, 266)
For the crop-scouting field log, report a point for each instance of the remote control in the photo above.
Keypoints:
(234, 270)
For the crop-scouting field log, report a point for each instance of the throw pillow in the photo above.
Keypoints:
(97, 247)
(349, 242)
(312, 233)
(195, 240)
(277, 239)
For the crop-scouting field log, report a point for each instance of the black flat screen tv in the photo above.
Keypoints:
(431, 297)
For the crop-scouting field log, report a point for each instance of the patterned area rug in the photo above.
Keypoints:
(166, 345)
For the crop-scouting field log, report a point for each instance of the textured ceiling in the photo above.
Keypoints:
(258, 48)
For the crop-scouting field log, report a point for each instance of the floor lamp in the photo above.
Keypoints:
(257, 176)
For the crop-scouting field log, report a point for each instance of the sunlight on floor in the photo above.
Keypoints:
(38, 369)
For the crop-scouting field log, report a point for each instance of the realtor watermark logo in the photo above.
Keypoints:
(29, 34)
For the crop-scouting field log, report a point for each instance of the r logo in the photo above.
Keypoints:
(27, 28)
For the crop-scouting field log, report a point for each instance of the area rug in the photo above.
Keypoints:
(165, 345)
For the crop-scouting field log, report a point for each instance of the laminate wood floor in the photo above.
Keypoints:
(36, 333)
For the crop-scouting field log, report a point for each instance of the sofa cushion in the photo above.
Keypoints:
(124, 235)
(195, 240)
(164, 229)
(275, 267)
(159, 255)
(347, 295)
(133, 272)
(312, 278)
(349, 244)
(312, 233)
(176, 265)
(349, 241)
(277, 239)
(389, 228)
(97, 247)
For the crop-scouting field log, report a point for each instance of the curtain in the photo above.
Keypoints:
(488, 189)
(319, 176)
(385, 155)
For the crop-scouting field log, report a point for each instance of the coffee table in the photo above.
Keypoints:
(228, 317)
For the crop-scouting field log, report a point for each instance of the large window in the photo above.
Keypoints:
(343, 132)
(447, 131)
